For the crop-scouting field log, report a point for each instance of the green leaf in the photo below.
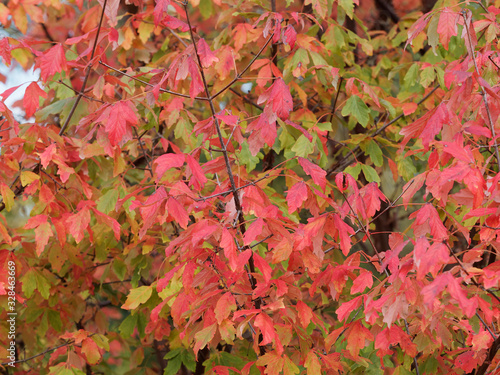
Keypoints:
(120, 268)
(411, 75)
(107, 202)
(354, 171)
(432, 34)
(427, 76)
(29, 283)
(101, 341)
(128, 325)
(173, 366)
(303, 147)
(356, 107)
(42, 285)
(188, 360)
(370, 173)
(375, 153)
(137, 297)
(348, 6)
(55, 320)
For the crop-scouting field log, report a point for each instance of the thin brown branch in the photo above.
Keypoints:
(89, 69)
(483, 92)
(150, 85)
(346, 161)
(39, 354)
(150, 168)
(244, 70)
(231, 191)
(246, 100)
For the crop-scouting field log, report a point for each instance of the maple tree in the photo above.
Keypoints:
(252, 187)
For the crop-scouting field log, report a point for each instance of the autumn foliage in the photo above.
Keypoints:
(224, 187)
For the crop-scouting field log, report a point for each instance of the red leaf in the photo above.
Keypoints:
(427, 220)
(224, 306)
(296, 196)
(227, 243)
(167, 161)
(5, 51)
(290, 36)
(177, 212)
(279, 97)
(263, 267)
(196, 83)
(254, 230)
(198, 178)
(417, 28)
(111, 10)
(317, 174)
(357, 336)
(161, 7)
(363, 281)
(371, 198)
(118, 119)
(305, 313)
(447, 26)
(348, 307)
(344, 231)
(31, 99)
(52, 61)
(207, 57)
(266, 326)
(43, 231)
(78, 223)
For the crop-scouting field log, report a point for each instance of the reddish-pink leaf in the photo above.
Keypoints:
(31, 99)
(111, 10)
(296, 196)
(227, 243)
(347, 307)
(447, 26)
(161, 7)
(118, 120)
(5, 51)
(177, 212)
(198, 178)
(254, 230)
(372, 196)
(428, 221)
(290, 36)
(417, 28)
(344, 232)
(279, 99)
(167, 161)
(78, 223)
(317, 174)
(263, 267)
(196, 83)
(363, 281)
(52, 61)
(207, 57)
